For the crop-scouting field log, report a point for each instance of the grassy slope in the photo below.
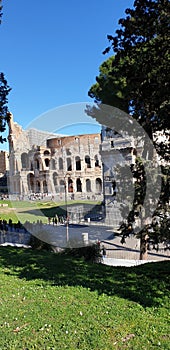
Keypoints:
(50, 301)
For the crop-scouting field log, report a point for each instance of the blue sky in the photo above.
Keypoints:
(51, 51)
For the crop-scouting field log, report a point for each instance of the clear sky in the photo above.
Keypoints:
(51, 51)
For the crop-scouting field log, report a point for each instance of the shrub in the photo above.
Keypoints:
(91, 253)
(36, 243)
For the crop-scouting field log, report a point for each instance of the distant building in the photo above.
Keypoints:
(49, 164)
(117, 153)
(88, 166)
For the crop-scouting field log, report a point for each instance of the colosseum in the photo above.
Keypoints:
(44, 164)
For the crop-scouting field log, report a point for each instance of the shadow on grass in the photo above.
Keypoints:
(146, 284)
(61, 210)
(47, 212)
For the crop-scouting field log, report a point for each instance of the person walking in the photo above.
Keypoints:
(104, 251)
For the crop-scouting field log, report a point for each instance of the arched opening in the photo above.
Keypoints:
(37, 186)
(98, 185)
(24, 160)
(30, 182)
(46, 153)
(70, 185)
(88, 161)
(88, 185)
(69, 165)
(60, 161)
(45, 187)
(47, 162)
(96, 159)
(55, 179)
(78, 163)
(68, 152)
(79, 185)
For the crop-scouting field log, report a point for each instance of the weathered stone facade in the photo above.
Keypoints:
(56, 165)
(117, 153)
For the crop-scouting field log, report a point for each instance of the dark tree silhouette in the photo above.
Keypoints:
(136, 79)
(4, 91)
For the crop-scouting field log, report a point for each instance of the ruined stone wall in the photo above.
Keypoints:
(60, 166)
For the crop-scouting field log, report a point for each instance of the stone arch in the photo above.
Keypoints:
(79, 185)
(46, 153)
(30, 182)
(88, 185)
(88, 161)
(68, 152)
(78, 163)
(24, 160)
(98, 185)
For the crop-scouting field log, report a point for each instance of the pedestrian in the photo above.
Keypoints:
(104, 251)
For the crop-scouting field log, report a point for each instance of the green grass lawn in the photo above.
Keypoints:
(38, 210)
(52, 301)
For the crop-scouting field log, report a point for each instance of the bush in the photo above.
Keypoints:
(36, 243)
(91, 253)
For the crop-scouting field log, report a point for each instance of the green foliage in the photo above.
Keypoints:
(158, 230)
(4, 91)
(141, 62)
(110, 87)
(137, 80)
(36, 243)
(0, 10)
(4, 116)
(52, 301)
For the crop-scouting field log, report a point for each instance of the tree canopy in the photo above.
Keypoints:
(4, 91)
(137, 78)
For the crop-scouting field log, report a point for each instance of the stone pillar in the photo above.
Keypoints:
(93, 185)
(85, 238)
(41, 186)
(83, 184)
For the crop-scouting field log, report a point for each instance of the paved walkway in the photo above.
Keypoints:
(56, 235)
(131, 250)
(125, 262)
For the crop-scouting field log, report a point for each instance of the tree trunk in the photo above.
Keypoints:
(144, 246)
